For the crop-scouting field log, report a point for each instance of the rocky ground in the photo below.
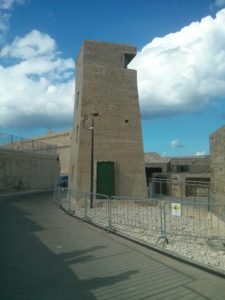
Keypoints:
(194, 232)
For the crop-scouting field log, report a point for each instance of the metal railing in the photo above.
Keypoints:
(78, 203)
(174, 189)
(16, 143)
(193, 220)
(149, 220)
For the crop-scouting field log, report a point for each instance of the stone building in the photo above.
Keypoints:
(217, 149)
(107, 114)
(178, 176)
(155, 163)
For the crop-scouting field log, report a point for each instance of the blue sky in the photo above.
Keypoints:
(180, 64)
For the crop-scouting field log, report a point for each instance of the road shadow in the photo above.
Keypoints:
(30, 270)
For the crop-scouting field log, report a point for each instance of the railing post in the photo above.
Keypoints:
(69, 198)
(160, 188)
(153, 188)
(161, 220)
(85, 206)
(110, 213)
(164, 223)
(209, 198)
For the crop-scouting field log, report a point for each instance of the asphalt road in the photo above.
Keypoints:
(46, 254)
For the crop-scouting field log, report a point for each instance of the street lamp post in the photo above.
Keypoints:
(92, 128)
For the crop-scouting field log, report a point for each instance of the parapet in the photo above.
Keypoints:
(107, 54)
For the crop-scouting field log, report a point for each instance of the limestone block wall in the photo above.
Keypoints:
(195, 164)
(217, 149)
(106, 91)
(62, 143)
(27, 171)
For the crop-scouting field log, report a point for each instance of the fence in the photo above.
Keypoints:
(15, 143)
(174, 189)
(148, 220)
(78, 203)
(192, 219)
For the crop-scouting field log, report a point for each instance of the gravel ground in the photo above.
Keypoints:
(194, 233)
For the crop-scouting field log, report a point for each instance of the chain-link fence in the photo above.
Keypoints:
(150, 220)
(15, 143)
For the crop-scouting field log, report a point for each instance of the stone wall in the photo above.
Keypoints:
(106, 92)
(217, 149)
(62, 143)
(27, 171)
(191, 164)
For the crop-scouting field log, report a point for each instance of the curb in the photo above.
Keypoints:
(26, 192)
(165, 252)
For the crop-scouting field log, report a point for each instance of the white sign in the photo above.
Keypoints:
(176, 209)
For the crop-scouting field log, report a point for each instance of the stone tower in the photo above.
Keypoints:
(107, 151)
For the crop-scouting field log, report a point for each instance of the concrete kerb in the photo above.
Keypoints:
(21, 193)
(170, 254)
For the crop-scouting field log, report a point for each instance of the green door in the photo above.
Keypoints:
(106, 178)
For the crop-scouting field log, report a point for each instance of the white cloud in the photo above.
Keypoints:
(7, 4)
(183, 71)
(176, 144)
(178, 73)
(37, 90)
(220, 3)
(4, 18)
(34, 44)
(5, 13)
(199, 153)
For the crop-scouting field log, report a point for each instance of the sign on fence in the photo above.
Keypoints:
(176, 209)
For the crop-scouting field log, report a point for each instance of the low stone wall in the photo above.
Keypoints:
(27, 171)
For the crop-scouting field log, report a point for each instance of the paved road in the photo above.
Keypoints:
(48, 255)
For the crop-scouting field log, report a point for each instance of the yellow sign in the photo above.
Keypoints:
(176, 209)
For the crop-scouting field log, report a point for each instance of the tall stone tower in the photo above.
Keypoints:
(107, 151)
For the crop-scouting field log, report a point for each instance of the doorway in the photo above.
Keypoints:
(106, 178)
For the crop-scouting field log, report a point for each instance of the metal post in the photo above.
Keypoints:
(160, 187)
(209, 198)
(92, 163)
(110, 212)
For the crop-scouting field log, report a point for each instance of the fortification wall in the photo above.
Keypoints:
(217, 149)
(62, 143)
(27, 171)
